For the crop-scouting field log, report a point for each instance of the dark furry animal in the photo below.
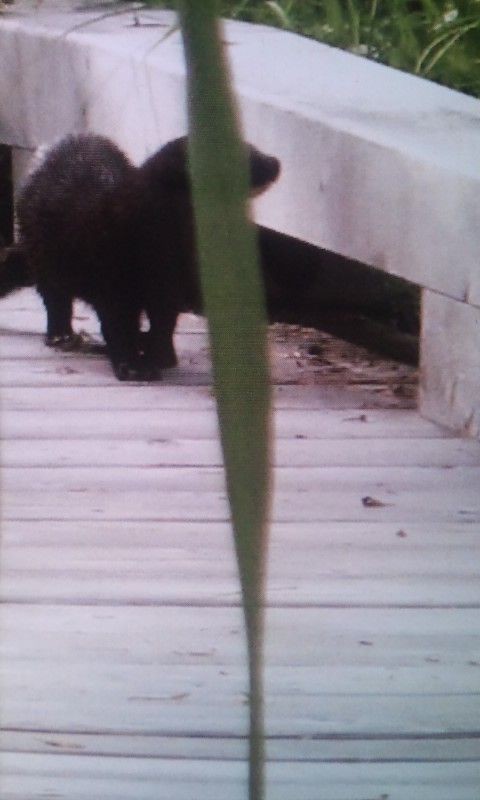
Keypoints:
(120, 237)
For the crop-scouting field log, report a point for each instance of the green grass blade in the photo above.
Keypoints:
(447, 46)
(234, 304)
(279, 13)
(429, 49)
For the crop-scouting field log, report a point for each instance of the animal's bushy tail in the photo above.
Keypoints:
(14, 271)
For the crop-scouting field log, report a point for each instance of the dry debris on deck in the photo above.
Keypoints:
(123, 660)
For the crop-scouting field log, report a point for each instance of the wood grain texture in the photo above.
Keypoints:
(32, 777)
(122, 650)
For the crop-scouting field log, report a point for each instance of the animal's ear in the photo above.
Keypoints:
(264, 170)
(171, 165)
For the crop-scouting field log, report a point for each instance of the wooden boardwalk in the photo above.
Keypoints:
(122, 651)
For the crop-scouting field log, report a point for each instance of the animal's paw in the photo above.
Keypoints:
(157, 357)
(76, 342)
(90, 344)
(64, 341)
(167, 359)
(150, 372)
(126, 371)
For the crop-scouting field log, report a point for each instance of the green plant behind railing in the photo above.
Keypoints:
(436, 39)
(232, 292)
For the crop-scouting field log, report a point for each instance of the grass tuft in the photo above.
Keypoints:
(439, 40)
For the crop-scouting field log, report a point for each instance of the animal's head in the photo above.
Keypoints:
(170, 166)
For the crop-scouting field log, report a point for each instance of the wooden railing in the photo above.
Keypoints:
(377, 165)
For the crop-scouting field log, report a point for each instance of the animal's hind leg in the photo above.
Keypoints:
(58, 305)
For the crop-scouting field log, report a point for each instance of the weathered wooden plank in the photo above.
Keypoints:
(353, 564)
(34, 777)
(388, 481)
(397, 494)
(134, 423)
(447, 748)
(125, 396)
(87, 370)
(318, 397)
(80, 503)
(443, 453)
(433, 649)
(366, 672)
(300, 539)
(196, 559)
(127, 586)
(287, 365)
(160, 563)
(194, 701)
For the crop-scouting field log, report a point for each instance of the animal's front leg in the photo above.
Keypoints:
(120, 329)
(159, 351)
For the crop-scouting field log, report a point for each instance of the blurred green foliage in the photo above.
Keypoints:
(436, 40)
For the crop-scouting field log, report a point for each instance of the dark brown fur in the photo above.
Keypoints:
(120, 237)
